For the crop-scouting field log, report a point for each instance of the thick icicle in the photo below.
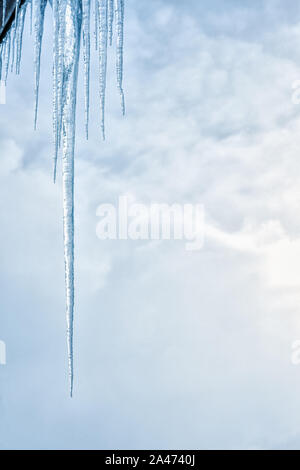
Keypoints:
(102, 6)
(120, 40)
(39, 7)
(110, 20)
(73, 17)
(86, 59)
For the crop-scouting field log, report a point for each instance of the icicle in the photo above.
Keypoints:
(17, 13)
(7, 55)
(70, 73)
(55, 79)
(1, 51)
(102, 8)
(1, 59)
(13, 46)
(3, 55)
(17, 31)
(96, 17)
(39, 13)
(20, 29)
(110, 20)
(14, 37)
(120, 32)
(39, 7)
(61, 48)
(67, 19)
(3, 12)
(59, 12)
(86, 58)
(31, 15)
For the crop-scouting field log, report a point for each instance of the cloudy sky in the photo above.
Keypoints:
(173, 349)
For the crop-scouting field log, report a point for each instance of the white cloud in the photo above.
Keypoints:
(173, 349)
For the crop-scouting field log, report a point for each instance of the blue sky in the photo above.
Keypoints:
(172, 349)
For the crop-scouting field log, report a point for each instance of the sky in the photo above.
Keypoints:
(173, 349)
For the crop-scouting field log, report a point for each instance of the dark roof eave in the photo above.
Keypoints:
(9, 17)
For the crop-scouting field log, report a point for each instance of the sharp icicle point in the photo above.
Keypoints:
(73, 18)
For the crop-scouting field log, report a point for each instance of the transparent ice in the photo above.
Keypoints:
(71, 19)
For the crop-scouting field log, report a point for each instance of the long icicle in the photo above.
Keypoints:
(103, 29)
(67, 20)
(86, 59)
(73, 18)
(120, 41)
(39, 7)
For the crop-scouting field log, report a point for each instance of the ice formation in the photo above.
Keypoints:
(71, 18)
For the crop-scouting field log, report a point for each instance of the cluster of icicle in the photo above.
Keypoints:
(70, 18)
